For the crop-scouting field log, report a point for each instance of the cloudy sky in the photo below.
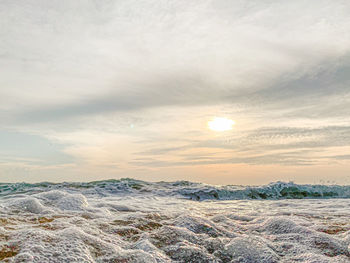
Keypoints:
(98, 89)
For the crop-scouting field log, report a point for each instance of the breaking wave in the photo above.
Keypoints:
(134, 221)
(194, 191)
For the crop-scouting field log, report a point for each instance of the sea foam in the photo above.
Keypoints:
(133, 221)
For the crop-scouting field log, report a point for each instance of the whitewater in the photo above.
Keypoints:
(135, 221)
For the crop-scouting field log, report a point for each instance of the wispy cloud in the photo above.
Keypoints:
(131, 84)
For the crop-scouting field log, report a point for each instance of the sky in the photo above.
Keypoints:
(108, 89)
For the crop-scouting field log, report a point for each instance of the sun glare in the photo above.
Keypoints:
(220, 124)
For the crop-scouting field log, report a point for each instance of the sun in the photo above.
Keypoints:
(220, 124)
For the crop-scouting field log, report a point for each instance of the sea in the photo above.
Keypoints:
(127, 220)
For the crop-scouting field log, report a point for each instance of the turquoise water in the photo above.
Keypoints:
(186, 189)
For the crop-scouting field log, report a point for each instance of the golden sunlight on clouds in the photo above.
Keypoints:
(220, 124)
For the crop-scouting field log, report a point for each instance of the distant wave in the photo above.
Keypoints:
(273, 191)
(186, 189)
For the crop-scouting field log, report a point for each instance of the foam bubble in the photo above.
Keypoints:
(72, 202)
(28, 204)
(247, 249)
(119, 221)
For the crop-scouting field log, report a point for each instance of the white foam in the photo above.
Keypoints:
(51, 195)
(72, 202)
(80, 224)
(248, 249)
(28, 204)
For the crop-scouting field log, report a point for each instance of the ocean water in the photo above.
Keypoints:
(134, 221)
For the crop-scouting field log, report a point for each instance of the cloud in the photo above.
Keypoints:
(290, 158)
(273, 145)
(320, 93)
(342, 157)
(127, 56)
(93, 77)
